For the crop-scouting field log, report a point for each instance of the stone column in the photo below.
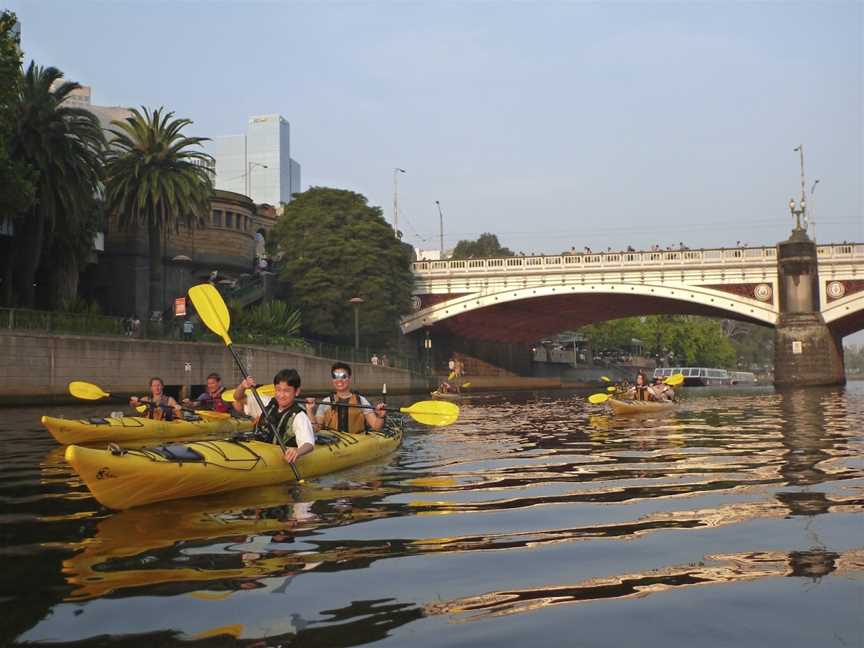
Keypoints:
(806, 353)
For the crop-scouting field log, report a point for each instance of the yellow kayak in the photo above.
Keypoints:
(640, 407)
(129, 428)
(446, 395)
(121, 478)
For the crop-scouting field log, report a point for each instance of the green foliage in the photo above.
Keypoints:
(17, 178)
(64, 145)
(273, 322)
(683, 339)
(155, 178)
(854, 358)
(485, 247)
(335, 247)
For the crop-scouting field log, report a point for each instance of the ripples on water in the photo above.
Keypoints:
(536, 518)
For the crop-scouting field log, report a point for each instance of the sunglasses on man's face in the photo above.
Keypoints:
(339, 375)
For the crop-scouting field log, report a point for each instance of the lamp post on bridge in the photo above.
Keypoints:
(427, 344)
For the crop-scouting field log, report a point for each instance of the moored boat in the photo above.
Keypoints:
(121, 479)
(130, 428)
(627, 407)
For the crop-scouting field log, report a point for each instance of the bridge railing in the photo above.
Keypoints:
(605, 260)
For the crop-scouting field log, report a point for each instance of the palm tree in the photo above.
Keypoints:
(64, 146)
(155, 180)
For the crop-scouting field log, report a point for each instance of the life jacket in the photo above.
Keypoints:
(345, 419)
(282, 422)
(642, 393)
(159, 411)
(217, 404)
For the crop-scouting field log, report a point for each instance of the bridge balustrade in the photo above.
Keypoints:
(604, 260)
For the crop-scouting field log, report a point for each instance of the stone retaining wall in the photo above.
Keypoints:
(37, 366)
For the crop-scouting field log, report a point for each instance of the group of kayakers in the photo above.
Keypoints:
(295, 421)
(643, 391)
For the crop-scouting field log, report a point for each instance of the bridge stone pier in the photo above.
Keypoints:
(812, 295)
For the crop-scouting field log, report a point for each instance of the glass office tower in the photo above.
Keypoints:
(258, 164)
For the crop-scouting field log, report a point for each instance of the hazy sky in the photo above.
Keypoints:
(552, 124)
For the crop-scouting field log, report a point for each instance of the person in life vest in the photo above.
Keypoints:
(285, 414)
(345, 410)
(640, 391)
(212, 398)
(160, 406)
(662, 391)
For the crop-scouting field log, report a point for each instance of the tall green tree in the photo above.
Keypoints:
(16, 176)
(684, 339)
(156, 178)
(64, 145)
(336, 246)
(485, 247)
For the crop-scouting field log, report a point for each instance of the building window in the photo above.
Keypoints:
(229, 219)
(217, 217)
(239, 221)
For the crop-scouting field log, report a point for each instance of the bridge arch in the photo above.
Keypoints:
(528, 313)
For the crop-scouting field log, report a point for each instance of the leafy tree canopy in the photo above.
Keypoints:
(16, 176)
(336, 246)
(485, 247)
(684, 339)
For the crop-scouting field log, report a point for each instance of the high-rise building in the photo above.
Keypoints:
(258, 163)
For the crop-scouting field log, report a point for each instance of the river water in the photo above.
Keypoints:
(535, 520)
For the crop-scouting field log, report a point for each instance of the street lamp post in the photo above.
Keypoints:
(799, 211)
(427, 344)
(396, 173)
(249, 167)
(441, 228)
(355, 302)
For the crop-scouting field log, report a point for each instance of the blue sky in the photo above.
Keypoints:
(550, 124)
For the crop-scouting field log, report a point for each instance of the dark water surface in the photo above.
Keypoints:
(536, 520)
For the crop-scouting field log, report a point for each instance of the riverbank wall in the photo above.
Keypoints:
(37, 367)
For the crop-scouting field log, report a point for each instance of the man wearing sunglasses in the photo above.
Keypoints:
(345, 410)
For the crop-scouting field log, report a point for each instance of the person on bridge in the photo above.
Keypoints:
(345, 410)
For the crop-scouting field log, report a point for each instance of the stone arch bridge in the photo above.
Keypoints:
(522, 299)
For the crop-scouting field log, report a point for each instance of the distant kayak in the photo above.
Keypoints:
(640, 407)
(446, 395)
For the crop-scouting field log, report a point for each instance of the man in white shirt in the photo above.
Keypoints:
(282, 414)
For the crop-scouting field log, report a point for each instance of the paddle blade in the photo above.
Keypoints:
(675, 379)
(263, 390)
(596, 399)
(611, 389)
(435, 413)
(605, 379)
(86, 391)
(467, 384)
(211, 309)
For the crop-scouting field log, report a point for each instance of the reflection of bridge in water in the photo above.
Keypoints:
(522, 299)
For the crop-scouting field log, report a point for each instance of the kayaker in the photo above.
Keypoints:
(211, 399)
(285, 413)
(353, 411)
(640, 391)
(662, 391)
(160, 406)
